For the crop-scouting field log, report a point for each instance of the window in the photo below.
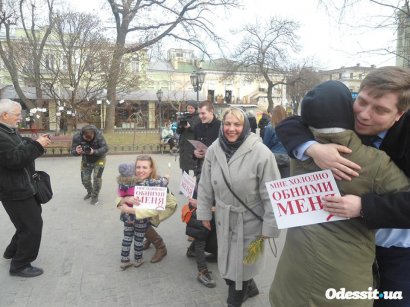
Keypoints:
(211, 96)
(135, 65)
(228, 96)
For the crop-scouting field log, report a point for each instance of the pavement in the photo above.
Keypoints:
(80, 251)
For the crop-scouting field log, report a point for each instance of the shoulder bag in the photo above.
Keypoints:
(43, 186)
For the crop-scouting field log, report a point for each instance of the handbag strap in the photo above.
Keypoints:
(240, 200)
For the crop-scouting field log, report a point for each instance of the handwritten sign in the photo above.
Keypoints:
(296, 200)
(151, 197)
(198, 145)
(187, 185)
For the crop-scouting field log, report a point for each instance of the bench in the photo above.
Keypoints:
(60, 143)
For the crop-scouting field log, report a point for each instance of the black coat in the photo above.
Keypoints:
(186, 150)
(385, 211)
(195, 229)
(207, 134)
(17, 155)
(263, 122)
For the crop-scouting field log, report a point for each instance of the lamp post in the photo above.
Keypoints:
(159, 96)
(197, 80)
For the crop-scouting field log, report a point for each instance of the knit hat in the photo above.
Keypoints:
(126, 169)
(328, 105)
(192, 103)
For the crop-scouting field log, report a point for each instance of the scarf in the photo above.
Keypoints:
(230, 148)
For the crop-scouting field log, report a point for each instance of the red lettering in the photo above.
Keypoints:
(300, 205)
(285, 208)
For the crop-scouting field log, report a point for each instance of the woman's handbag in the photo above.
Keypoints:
(43, 186)
(186, 213)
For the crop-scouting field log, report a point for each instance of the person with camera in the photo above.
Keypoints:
(186, 124)
(17, 190)
(90, 144)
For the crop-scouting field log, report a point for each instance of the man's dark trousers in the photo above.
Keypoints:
(24, 246)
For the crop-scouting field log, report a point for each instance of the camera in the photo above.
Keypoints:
(183, 118)
(86, 148)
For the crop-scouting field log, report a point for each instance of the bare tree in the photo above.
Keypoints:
(395, 16)
(26, 13)
(300, 80)
(73, 71)
(265, 51)
(150, 21)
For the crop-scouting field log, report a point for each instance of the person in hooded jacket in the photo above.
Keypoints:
(90, 144)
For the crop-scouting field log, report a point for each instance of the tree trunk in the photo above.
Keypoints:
(112, 85)
(270, 100)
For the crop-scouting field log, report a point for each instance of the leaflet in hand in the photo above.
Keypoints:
(187, 185)
(198, 145)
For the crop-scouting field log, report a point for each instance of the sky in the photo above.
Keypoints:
(326, 38)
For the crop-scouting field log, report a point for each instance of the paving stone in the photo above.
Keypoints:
(81, 244)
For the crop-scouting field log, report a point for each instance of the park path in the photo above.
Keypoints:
(81, 245)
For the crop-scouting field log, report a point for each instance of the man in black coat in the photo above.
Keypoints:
(17, 190)
(206, 131)
(382, 119)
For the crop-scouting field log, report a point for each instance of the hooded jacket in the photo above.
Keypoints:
(98, 144)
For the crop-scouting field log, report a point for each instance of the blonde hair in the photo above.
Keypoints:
(239, 114)
(152, 162)
(278, 114)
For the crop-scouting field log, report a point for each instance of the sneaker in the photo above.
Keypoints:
(138, 262)
(190, 253)
(94, 201)
(204, 277)
(125, 265)
(87, 196)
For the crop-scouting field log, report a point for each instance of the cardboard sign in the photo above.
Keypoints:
(296, 200)
(187, 185)
(151, 197)
(198, 145)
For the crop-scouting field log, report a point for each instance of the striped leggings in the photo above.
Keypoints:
(134, 230)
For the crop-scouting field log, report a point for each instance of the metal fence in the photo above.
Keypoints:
(117, 149)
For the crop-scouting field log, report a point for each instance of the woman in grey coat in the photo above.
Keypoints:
(240, 157)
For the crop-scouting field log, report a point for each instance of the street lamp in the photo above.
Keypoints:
(197, 80)
(159, 96)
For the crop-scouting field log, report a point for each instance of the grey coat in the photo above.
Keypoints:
(250, 167)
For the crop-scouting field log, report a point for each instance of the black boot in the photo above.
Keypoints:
(235, 297)
(251, 291)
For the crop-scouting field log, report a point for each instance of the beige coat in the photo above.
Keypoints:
(336, 254)
(250, 167)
